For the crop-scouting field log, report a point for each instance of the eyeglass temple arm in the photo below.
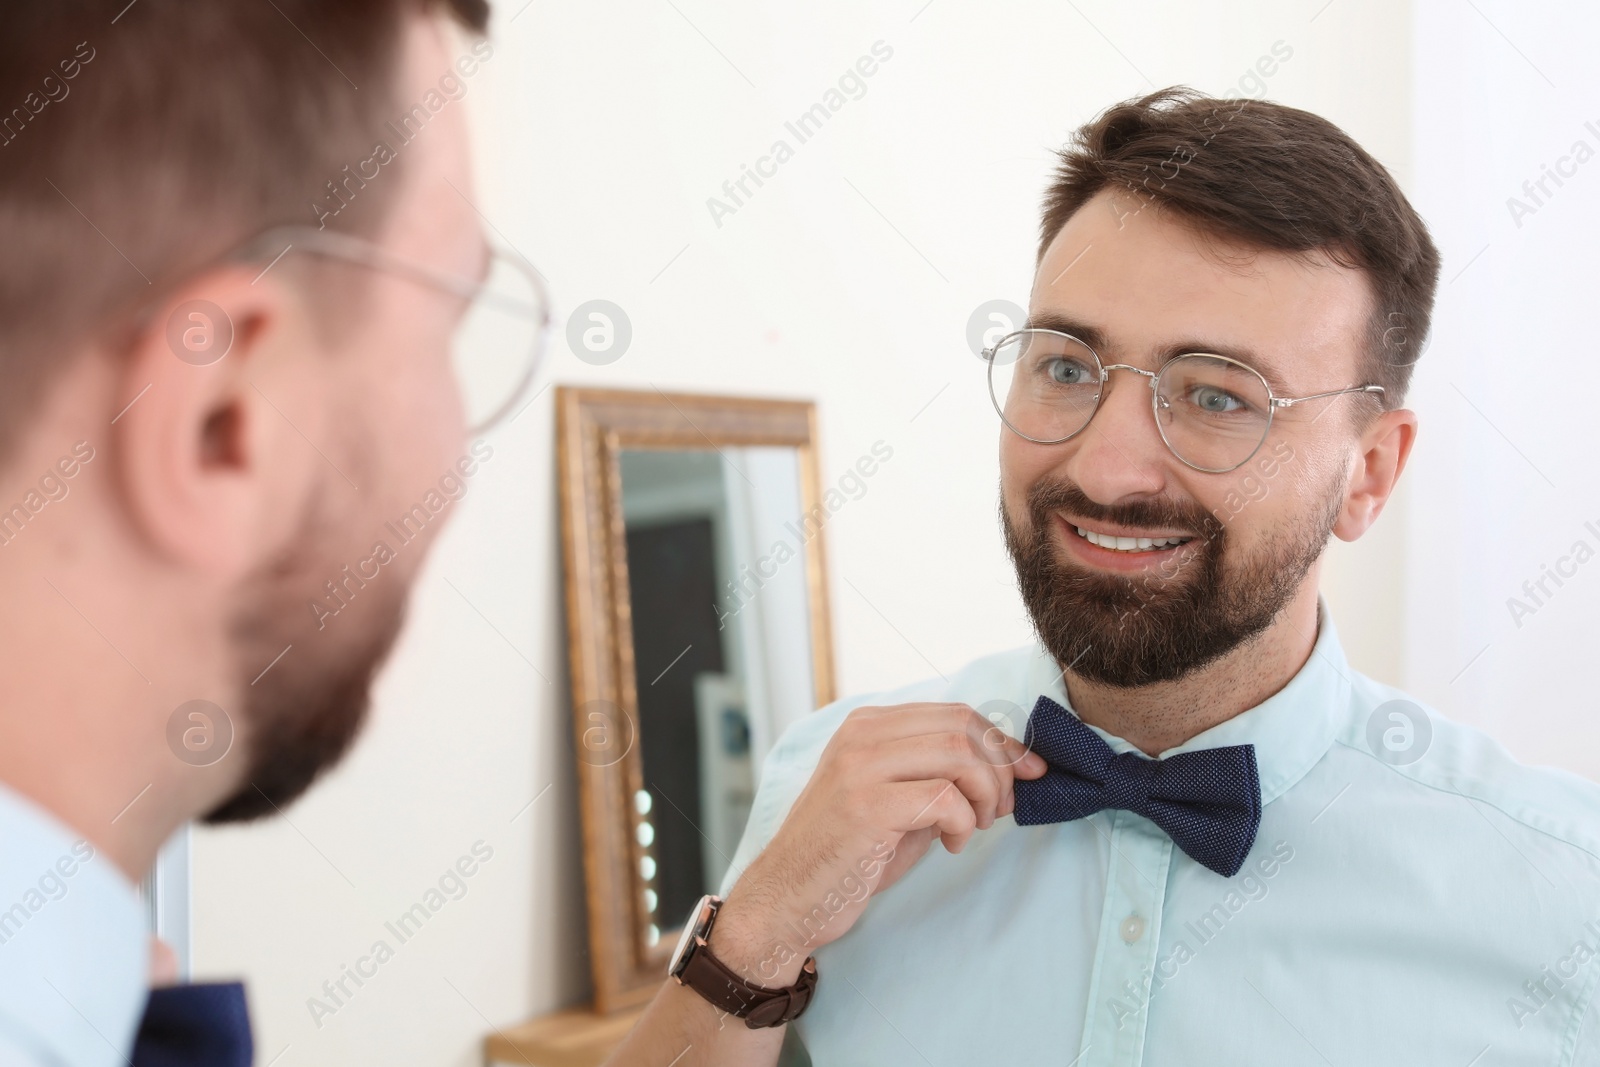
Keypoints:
(1290, 401)
(356, 250)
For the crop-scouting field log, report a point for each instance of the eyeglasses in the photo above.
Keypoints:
(1212, 411)
(499, 341)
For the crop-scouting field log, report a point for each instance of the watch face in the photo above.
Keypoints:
(690, 928)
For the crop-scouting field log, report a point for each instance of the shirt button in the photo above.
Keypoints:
(1132, 928)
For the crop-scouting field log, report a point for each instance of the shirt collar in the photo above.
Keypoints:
(1291, 730)
(73, 942)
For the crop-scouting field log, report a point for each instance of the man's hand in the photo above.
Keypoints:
(890, 780)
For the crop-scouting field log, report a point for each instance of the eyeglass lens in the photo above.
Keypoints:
(496, 341)
(1213, 413)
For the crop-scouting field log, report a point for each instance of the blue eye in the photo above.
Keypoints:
(1067, 372)
(1214, 401)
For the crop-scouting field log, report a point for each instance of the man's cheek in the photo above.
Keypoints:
(1023, 465)
(430, 434)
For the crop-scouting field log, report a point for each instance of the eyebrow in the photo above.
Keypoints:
(1096, 338)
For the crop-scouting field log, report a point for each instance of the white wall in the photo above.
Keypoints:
(848, 278)
(1505, 477)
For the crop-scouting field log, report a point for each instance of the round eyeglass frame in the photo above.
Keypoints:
(1273, 402)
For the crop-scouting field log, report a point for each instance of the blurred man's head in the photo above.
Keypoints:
(254, 419)
(1182, 224)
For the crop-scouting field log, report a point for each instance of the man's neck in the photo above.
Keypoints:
(1158, 717)
(55, 748)
(101, 639)
(90, 683)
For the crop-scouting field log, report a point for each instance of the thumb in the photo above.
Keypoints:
(1031, 766)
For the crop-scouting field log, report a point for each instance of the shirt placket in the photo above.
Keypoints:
(1127, 942)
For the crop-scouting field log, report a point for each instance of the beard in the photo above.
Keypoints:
(302, 713)
(1127, 631)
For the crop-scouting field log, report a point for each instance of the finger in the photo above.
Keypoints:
(874, 724)
(933, 803)
(1003, 749)
(950, 756)
(1010, 758)
(1010, 750)
(880, 726)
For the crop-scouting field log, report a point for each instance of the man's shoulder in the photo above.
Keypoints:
(1441, 754)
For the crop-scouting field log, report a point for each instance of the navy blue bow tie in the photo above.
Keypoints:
(206, 1025)
(1208, 802)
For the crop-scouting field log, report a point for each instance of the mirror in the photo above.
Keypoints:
(697, 631)
(721, 649)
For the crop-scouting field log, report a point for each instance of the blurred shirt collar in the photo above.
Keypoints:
(74, 944)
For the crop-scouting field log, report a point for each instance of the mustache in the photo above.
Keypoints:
(1045, 496)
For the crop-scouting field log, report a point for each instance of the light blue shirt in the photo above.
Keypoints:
(74, 947)
(1414, 896)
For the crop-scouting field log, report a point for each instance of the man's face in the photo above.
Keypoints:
(310, 631)
(1150, 286)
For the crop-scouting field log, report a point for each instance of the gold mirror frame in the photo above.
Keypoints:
(593, 428)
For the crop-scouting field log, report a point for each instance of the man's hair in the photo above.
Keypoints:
(139, 141)
(1270, 176)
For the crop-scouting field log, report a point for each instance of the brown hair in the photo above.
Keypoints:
(1271, 176)
(140, 141)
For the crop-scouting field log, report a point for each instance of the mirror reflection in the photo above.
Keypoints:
(717, 583)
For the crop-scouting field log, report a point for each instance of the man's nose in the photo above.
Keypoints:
(1120, 453)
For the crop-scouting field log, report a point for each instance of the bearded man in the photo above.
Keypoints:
(1205, 838)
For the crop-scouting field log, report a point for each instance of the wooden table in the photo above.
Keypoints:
(576, 1037)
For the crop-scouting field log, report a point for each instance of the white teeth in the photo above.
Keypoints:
(1128, 544)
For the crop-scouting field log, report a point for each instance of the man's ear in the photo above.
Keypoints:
(211, 476)
(1381, 456)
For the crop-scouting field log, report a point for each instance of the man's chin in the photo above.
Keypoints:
(1105, 632)
(1126, 629)
(304, 714)
(287, 765)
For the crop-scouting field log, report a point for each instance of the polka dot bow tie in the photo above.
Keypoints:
(1207, 801)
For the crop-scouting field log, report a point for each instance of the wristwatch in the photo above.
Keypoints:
(693, 965)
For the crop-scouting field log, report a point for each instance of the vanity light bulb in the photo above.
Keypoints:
(647, 867)
(653, 934)
(650, 901)
(641, 801)
(647, 834)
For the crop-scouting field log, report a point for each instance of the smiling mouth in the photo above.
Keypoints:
(1121, 543)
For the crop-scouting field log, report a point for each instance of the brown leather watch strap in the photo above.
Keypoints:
(757, 1005)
